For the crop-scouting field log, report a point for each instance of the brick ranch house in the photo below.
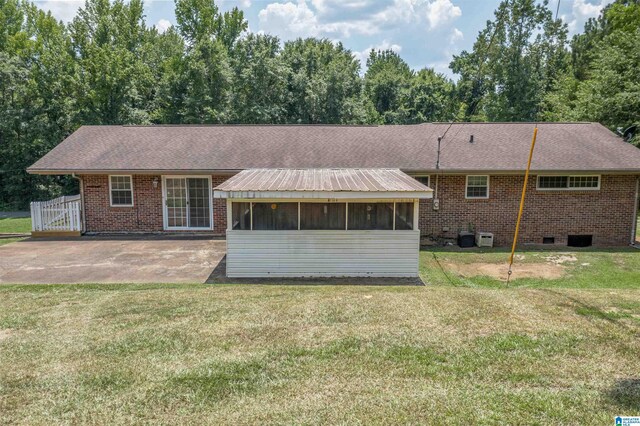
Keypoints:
(143, 179)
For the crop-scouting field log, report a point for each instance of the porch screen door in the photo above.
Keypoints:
(187, 203)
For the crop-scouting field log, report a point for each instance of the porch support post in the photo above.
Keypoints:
(229, 215)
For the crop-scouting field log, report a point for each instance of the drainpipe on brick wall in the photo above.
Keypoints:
(635, 214)
(81, 183)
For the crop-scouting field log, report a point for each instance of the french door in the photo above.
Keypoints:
(187, 203)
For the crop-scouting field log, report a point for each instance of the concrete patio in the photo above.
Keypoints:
(148, 259)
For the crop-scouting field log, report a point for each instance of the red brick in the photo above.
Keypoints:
(606, 214)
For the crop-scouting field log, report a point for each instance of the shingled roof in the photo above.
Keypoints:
(496, 147)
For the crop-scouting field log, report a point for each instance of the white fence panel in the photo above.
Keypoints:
(59, 214)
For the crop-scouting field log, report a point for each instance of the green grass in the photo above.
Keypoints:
(218, 354)
(15, 225)
(562, 351)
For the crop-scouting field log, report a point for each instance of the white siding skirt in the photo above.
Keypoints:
(252, 254)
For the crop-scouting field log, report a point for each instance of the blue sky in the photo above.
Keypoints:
(426, 33)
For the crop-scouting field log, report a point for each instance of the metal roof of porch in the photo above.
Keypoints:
(322, 183)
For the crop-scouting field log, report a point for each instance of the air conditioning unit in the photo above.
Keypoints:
(484, 239)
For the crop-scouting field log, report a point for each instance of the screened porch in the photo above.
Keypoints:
(322, 222)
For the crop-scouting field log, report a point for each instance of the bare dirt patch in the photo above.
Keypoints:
(499, 270)
(561, 258)
(4, 334)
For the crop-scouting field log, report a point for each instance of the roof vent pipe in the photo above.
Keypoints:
(471, 139)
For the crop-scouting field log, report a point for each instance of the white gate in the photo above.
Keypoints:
(59, 214)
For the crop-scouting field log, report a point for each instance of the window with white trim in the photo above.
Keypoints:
(568, 182)
(423, 179)
(121, 191)
(477, 187)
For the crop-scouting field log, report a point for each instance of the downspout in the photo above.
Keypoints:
(634, 226)
(82, 209)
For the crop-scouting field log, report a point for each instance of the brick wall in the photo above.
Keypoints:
(606, 214)
(146, 213)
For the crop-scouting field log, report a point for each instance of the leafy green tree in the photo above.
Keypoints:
(323, 83)
(604, 82)
(513, 63)
(116, 84)
(259, 92)
(387, 84)
(432, 97)
(36, 76)
(201, 19)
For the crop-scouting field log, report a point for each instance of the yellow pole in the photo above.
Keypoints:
(524, 193)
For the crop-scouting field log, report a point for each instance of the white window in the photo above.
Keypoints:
(423, 180)
(477, 187)
(577, 183)
(121, 191)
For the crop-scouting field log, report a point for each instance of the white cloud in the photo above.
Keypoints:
(456, 36)
(63, 10)
(436, 12)
(440, 12)
(294, 18)
(163, 25)
(245, 4)
(330, 18)
(581, 11)
(324, 6)
(289, 20)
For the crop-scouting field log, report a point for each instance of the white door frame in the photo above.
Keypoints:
(165, 213)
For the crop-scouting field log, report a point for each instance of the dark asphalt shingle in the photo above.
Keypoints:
(496, 147)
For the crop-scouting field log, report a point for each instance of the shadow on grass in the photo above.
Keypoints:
(219, 276)
(591, 311)
(626, 394)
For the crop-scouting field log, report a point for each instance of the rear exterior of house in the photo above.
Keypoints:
(584, 179)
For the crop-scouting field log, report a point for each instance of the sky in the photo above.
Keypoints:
(426, 33)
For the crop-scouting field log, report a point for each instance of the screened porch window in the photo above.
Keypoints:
(275, 216)
(241, 216)
(404, 216)
(323, 215)
(370, 215)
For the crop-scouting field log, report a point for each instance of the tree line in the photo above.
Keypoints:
(107, 66)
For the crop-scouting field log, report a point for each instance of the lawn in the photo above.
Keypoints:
(21, 225)
(579, 268)
(467, 350)
(14, 226)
